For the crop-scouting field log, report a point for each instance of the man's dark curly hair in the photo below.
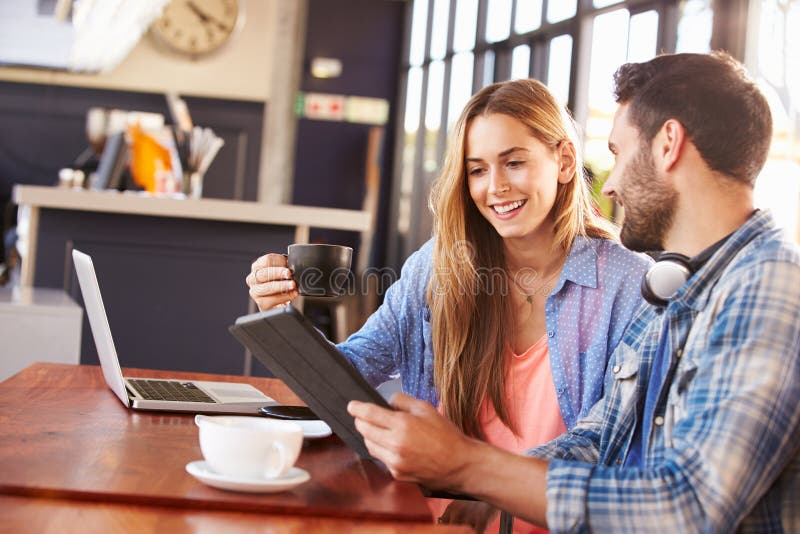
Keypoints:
(724, 113)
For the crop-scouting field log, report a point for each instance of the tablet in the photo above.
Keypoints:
(289, 346)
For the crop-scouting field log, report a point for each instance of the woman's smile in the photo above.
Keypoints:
(508, 209)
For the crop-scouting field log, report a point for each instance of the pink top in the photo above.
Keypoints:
(531, 400)
(532, 406)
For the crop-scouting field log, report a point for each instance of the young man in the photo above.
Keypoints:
(699, 426)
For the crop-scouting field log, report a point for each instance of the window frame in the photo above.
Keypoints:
(403, 241)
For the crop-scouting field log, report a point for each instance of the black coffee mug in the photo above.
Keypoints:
(320, 270)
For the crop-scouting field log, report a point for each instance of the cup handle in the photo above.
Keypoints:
(277, 469)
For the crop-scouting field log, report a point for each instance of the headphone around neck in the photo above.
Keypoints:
(663, 279)
(670, 271)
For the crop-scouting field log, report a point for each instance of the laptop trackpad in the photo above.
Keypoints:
(233, 392)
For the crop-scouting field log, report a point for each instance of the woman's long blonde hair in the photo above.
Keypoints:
(472, 322)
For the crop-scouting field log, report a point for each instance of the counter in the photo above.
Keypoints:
(171, 270)
(110, 201)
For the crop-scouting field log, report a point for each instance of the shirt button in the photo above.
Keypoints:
(658, 421)
(619, 462)
(679, 353)
(616, 369)
(551, 333)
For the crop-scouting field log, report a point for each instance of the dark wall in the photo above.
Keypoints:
(171, 286)
(367, 36)
(42, 129)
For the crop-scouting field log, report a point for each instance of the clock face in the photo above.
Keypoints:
(196, 27)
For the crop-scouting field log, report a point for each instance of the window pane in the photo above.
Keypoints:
(466, 24)
(694, 28)
(561, 9)
(558, 68)
(520, 62)
(413, 99)
(642, 40)
(419, 21)
(777, 187)
(498, 20)
(772, 43)
(609, 51)
(776, 67)
(529, 15)
(792, 61)
(460, 85)
(488, 68)
(433, 101)
(441, 16)
(604, 3)
(433, 114)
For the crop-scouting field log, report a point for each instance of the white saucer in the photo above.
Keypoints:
(314, 429)
(202, 472)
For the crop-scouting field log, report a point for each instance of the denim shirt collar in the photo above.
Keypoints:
(580, 266)
(697, 290)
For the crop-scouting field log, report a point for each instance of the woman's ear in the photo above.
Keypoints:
(567, 161)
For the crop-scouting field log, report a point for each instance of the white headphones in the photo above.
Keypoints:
(670, 271)
(663, 279)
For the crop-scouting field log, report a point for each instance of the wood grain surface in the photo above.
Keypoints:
(34, 515)
(65, 435)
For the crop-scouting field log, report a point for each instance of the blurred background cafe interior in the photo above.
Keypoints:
(177, 140)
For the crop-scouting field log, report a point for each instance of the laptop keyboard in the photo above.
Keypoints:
(169, 390)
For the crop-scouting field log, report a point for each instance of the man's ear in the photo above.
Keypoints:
(668, 145)
(567, 161)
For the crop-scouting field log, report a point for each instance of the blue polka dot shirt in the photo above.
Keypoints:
(586, 315)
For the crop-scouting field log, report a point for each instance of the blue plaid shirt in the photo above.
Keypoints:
(724, 448)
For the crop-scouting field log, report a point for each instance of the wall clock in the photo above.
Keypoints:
(197, 27)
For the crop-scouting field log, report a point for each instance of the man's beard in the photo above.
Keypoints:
(649, 204)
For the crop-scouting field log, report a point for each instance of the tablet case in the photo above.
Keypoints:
(289, 346)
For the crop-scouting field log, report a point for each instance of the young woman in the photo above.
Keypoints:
(506, 317)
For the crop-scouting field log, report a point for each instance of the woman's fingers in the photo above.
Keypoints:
(270, 282)
(267, 289)
(270, 260)
(268, 274)
(272, 300)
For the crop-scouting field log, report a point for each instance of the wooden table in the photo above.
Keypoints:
(65, 437)
(24, 514)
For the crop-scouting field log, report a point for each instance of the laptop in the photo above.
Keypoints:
(157, 394)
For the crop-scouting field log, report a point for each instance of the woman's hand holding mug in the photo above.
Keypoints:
(270, 282)
(317, 270)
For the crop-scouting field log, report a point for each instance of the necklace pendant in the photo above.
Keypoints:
(529, 298)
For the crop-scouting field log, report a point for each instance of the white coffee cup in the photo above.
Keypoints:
(253, 447)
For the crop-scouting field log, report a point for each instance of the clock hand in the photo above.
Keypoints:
(204, 17)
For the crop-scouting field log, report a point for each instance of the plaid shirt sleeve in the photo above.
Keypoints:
(738, 430)
(580, 444)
